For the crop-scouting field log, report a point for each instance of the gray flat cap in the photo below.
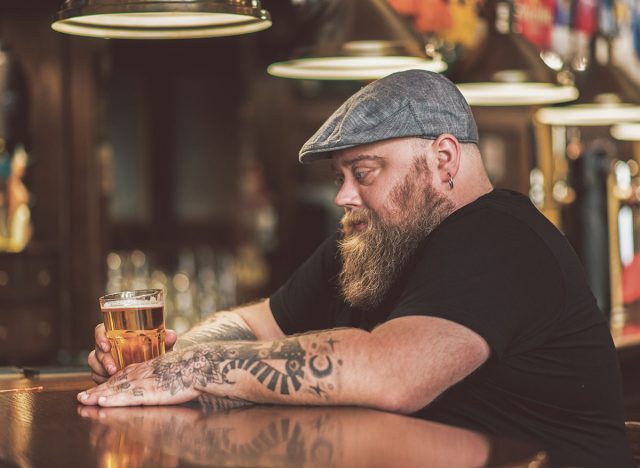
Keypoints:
(412, 103)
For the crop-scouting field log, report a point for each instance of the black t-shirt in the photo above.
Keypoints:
(500, 268)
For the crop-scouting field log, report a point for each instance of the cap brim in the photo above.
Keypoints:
(312, 155)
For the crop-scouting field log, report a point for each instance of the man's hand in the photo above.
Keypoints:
(144, 383)
(248, 323)
(101, 361)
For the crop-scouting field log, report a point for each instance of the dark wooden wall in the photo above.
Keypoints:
(69, 81)
(62, 74)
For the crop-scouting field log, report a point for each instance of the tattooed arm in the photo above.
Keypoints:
(248, 323)
(221, 326)
(401, 366)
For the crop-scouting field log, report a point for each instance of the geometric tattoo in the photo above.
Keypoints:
(289, 351)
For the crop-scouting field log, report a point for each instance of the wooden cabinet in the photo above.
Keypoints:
(48, 304)
(29, 307)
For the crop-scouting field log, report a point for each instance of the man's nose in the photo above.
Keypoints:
(348, 196)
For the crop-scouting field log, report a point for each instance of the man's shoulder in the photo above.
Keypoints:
(506, 205)
(498, 215)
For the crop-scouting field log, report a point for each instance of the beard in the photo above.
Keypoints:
(373, 259)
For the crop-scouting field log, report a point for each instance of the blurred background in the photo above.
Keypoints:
(172, 163)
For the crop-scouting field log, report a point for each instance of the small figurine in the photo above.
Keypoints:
(17, 202)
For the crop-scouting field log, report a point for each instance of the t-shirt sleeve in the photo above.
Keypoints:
(303, 303)
(490, 273)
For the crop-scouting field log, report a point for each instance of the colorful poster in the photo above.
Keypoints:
(405, 7)
(626, 41)
(561, 33)
(430, 16)
(534, 20)
(586, 17)
(635, 22)
(464, 27)
(607, 21)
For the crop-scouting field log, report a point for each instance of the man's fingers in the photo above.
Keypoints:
(91, 396)
(95, 364)
(102, 363)
(102, 342)
(170, 338)
(103, 352)
(107, 362)
(142, 395)
(132, 391)
(99, 379)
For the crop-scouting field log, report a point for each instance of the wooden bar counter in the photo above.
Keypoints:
(43, 425)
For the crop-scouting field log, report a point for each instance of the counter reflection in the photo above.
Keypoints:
(283, 436)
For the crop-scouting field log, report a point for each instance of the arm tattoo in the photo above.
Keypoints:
(283, 367)
(211, 403)
(216, 329)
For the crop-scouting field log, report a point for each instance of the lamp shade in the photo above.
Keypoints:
(607, 94)
(626, 131)
(355, 40)
(160, 19)
(507, 70)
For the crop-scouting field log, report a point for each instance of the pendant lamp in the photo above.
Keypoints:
(507, 70)
(626, 131)
(355, 40)
(160, 19)
(607, 95)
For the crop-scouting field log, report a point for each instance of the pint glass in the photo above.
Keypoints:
(134, 321)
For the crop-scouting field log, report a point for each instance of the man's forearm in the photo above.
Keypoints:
(250, 322)
(323, 368)
(221, 326)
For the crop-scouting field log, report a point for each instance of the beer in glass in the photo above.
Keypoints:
(134, 321)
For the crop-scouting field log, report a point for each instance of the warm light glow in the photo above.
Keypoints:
(21, 425)
(627, 131)
(351, 68)
(160, 20)
(516, 94)
(367, 47)
(552, 59)
(625, 230)
(589, 114)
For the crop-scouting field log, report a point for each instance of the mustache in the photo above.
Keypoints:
(351, 218)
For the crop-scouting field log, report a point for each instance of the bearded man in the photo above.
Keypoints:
(440, 296)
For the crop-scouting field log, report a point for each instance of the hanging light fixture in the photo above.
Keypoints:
(607, 95)
(356, 40)
(161, 19)
(507, 70)
(626, 131)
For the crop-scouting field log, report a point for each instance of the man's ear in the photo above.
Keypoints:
(448, 152)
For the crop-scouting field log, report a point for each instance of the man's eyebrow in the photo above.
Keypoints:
(355, 159)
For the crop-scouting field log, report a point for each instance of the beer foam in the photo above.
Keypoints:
(132, 303)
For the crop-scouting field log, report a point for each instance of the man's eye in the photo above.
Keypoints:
(339, 180)
(360, 175)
